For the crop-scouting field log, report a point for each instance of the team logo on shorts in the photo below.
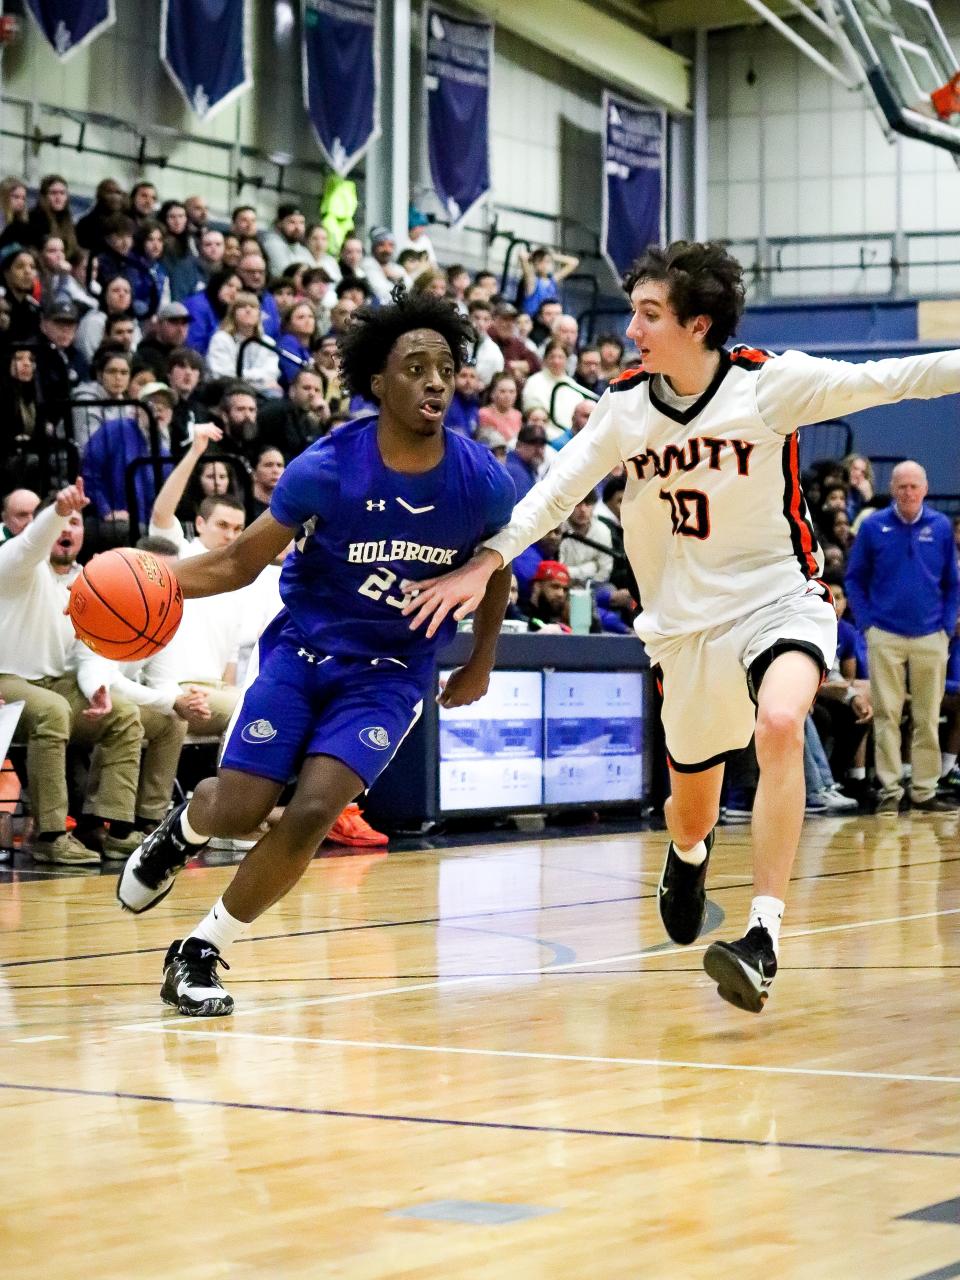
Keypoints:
(258, 731)
(375, 737)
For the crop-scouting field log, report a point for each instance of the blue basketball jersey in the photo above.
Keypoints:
(366, 528)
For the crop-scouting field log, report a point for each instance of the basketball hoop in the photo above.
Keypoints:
(946, 99)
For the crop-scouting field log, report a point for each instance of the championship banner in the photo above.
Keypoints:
(633, 186)
(341, 77)
(205, 50)
(459, 59)
(68, 25)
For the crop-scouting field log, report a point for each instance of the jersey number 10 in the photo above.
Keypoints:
(689, 512)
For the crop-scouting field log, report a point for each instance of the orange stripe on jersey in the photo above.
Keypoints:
(794, 508)
(750, 356)
(629, 378)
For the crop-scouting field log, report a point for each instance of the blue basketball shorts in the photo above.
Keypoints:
(302, 703)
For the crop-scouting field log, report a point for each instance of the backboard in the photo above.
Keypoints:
(905, 56)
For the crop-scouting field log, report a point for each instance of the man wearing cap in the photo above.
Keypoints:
(417, 238)
(284, 242)
(517, 356)
(549, 608)
(382, 273)
(119, 443)
(169, 332)
(526, 458)
(60, 366)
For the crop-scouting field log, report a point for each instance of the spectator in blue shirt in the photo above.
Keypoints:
(464, 412)
(542, 272)
(207, 308)
(524, 461)
(903, 584)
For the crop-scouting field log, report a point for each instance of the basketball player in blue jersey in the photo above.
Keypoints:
(717, 532)
(341, 679)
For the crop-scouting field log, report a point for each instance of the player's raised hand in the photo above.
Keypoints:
(463, 686)
(71, 499)
(462, 590)
(203, 433)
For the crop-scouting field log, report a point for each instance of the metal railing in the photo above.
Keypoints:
(152, 141)
(768, 261)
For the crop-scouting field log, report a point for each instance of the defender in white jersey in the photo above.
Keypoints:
(717, 532)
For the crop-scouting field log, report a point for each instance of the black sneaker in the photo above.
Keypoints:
(190, 981)
(682, 895)
(151, 869)
(743, 970)
(936, 804)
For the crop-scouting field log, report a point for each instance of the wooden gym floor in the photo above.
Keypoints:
(487, 1062)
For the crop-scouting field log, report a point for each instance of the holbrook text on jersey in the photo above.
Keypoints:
(386, 550)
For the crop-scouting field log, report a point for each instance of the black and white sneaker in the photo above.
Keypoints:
(151, 869)
(190, 981)
(743, 970)
(682, 895)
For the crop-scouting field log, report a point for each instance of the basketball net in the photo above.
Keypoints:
(946, 99)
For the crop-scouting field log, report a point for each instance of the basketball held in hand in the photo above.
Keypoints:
(125, 604)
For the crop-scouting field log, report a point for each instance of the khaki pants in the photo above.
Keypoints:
(892, 657)
(163, 737)
(52, 717)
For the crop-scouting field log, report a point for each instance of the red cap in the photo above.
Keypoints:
(552, 571)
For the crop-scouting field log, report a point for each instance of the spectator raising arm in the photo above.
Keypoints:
(163, 518)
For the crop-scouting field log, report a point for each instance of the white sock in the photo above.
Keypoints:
(694, 856)
(858, 773)
(947, 761)
(191, 836)
(219, 927)
(767, 912)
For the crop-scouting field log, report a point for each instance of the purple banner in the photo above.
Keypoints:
(459, 60)
(204, 48)
(68, 25)
(633, 210)
(341, 83)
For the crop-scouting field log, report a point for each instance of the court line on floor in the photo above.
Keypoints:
(452, 921)
(652, 953)
(591, 1059)
(501, 1125)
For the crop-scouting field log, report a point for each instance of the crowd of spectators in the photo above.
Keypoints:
(177, 365)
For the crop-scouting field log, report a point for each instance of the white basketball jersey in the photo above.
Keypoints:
(715, 524)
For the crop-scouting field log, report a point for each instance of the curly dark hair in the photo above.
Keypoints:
(701, 279)
(365, 347)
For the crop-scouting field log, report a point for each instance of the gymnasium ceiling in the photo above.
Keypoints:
(661, 18)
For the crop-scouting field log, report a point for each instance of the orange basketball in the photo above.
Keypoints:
(125, 604)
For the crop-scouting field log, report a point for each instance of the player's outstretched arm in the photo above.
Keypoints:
(465, 587)
(237, 565)
(470, 682)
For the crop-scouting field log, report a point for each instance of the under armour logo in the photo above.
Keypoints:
(305, 653)
(374, 504)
